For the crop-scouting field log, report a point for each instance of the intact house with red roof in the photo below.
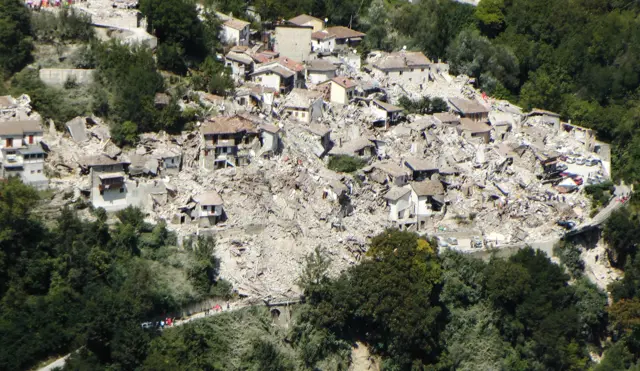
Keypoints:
(282, 74)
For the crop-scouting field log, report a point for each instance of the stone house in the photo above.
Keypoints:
(474, 129)
(270, 138)
(241, 65)
(307, 20)
(319, 71)
(21, 153)
(399, 203)
(342, 90)
(303, 105)
(323, 42)
(470, 109)
(293, 41)
(235, 31)
(420, 168)
(108, 186)
(209, 209)
(346, 36)
(427, 198)
(228, 141)
(361, 147)
(385, 113)
(446, 119)
(322, 136)
(403, 67)
(387, 172)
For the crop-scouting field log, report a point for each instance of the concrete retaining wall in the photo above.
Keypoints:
(58, 76)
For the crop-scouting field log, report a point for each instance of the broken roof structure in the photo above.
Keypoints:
(239, 57)
(208, 198)
(353, 146)
(396, 193)
(387, 106)
(228, 125)
(318, 129)
(428, 188)
(301, 98)
(7, 102)
(447, 118)
(420, 164)
(345, 82)
(473, 127)
(541, 112)
(320, 65)
(466, 106)
(402, 60)
(273, 67)
(20, 127)
(236, 24)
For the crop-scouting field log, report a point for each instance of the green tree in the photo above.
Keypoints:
(15, 36)
(490, 15)
(176, 22)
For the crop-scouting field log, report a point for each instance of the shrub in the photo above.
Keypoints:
(346, 164)
(569, 255)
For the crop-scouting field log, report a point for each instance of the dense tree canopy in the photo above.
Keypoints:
(15, 35)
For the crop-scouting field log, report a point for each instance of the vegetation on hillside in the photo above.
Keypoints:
(88, 284)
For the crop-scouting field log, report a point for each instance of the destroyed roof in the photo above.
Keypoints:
(208, 198)
(341, 32)
(390, 168)
(420, 164)
(228, 125)
(353, 146)
(302, 19)
(402, 60)
(387, 107)
(322, 35)
(428, 188)
(6, 101)
(301, 98)
(446, 117)
(538, 111)
(115, 175)
(318, 129)
(473, 127)
(162, 98)
(20, 127)
(466, 106)
(345, 82)
(236, 24)
(321, 65)
(99, 160)
(396, 193)
(239, 57)
(497, 118)
(269, 128)
(32, 150)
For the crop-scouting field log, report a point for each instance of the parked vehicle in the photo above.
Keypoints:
(567, 224)
(580, 161)
(147, 325)
(452, 241)
(570, 160)
(561, 167)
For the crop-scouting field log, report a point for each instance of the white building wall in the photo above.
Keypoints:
(230, 35)
(338, 94)
(237, 69)
(421, 204)
(269, 80)
(415, 75)
(15, 143)
(378, 112)
(323, 46)
(402, 204)
(319, 77)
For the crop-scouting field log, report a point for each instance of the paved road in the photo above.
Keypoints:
(59, 363)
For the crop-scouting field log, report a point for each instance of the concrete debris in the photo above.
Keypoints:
(484, 173)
